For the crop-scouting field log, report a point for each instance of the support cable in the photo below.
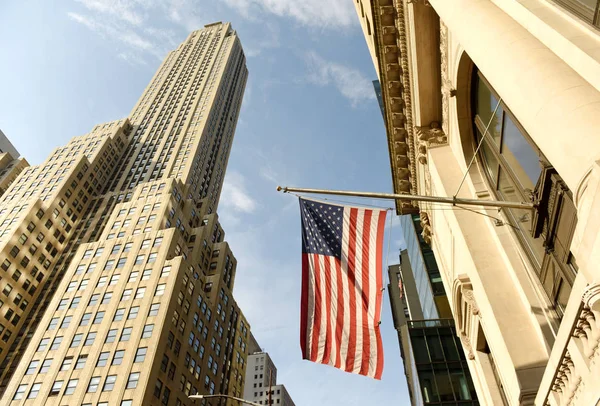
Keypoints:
(478, 146)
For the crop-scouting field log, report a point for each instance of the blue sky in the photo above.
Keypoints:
(309, 118)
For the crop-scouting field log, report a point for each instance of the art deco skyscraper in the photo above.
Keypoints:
(115, 278)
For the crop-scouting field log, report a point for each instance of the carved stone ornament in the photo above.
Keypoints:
(447, 88)
(426, 225)
(426, 137)
(467, 346)
(470, 299)
(591, 295)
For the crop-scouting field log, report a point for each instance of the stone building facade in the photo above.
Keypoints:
(500, 100)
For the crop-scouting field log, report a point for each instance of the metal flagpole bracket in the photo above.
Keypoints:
(454, 201)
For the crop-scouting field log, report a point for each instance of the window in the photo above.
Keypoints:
(158, 388)
(119, 314)
(56, 343)
(32, 367)
(102, 359)
(165, 271)
(127, 402)
(139, 259)
(109, 383)
(118, 358)
(121, 262)
(132, 382)
(146, 243)
(133, 276)
(45, 366)
(587, 10)
(93, 385)
(101, 282)
(94, 299)
(140, 354)
(126, 334)
(71, 385)
(89, 340)
(106, 298)
(66, 364)
(160, 289)
(126, 294)
(111, 336)
(146, 274)
(516, 169)
(147, 332)
(114, 279)
(61, 305)
(152, 257)
(76, 340)
(75, 302)
(56, 387)
(20, 392)
(154, 309)
(139, 293)
(35, 390)
(53, 323)
(99, 317)
(128, 247)
(133, 312)
(81, 361)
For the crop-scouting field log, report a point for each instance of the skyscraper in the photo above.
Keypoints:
(116, 279)
(261, 378)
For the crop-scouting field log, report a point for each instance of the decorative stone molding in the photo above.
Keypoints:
(585, 339)
(447, 87)
(426, 137)
(467, 346)
(468, 296)
(423, 2)
(426, 225)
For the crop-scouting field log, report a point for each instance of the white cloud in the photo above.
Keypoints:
(126, 10)
(350, 82)
(315, 13)
(234, 195)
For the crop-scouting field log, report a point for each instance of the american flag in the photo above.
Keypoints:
(342, 286)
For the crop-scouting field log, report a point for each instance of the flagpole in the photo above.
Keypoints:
(454, 201)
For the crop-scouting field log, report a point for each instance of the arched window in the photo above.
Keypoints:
(517, 171)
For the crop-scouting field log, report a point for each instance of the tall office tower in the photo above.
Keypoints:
(261, 378)
(113, 261)
(434, 362)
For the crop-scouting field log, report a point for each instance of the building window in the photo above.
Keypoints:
(517, 171)
(93, 385)
(147, 332)
(102, 359)
(81, 362)
(20, 392)
(56, 387)
(118, 358)
(588, 10)
(35, 390)
(71, 385)
(109, 383)
(132, 382)
(140, 354)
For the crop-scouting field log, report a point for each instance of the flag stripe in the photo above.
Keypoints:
(352, 291)
(317, 308)
(304, 306)
(378, 270)
(366, 348)
(339, 319)
(341, 286)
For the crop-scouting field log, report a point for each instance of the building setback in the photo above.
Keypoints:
(500, 100)
(116, 280)
(10, 163)
(261, 378)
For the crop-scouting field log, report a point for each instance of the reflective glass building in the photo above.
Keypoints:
(435, 365)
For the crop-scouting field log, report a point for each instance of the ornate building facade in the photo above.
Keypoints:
(500, 100)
